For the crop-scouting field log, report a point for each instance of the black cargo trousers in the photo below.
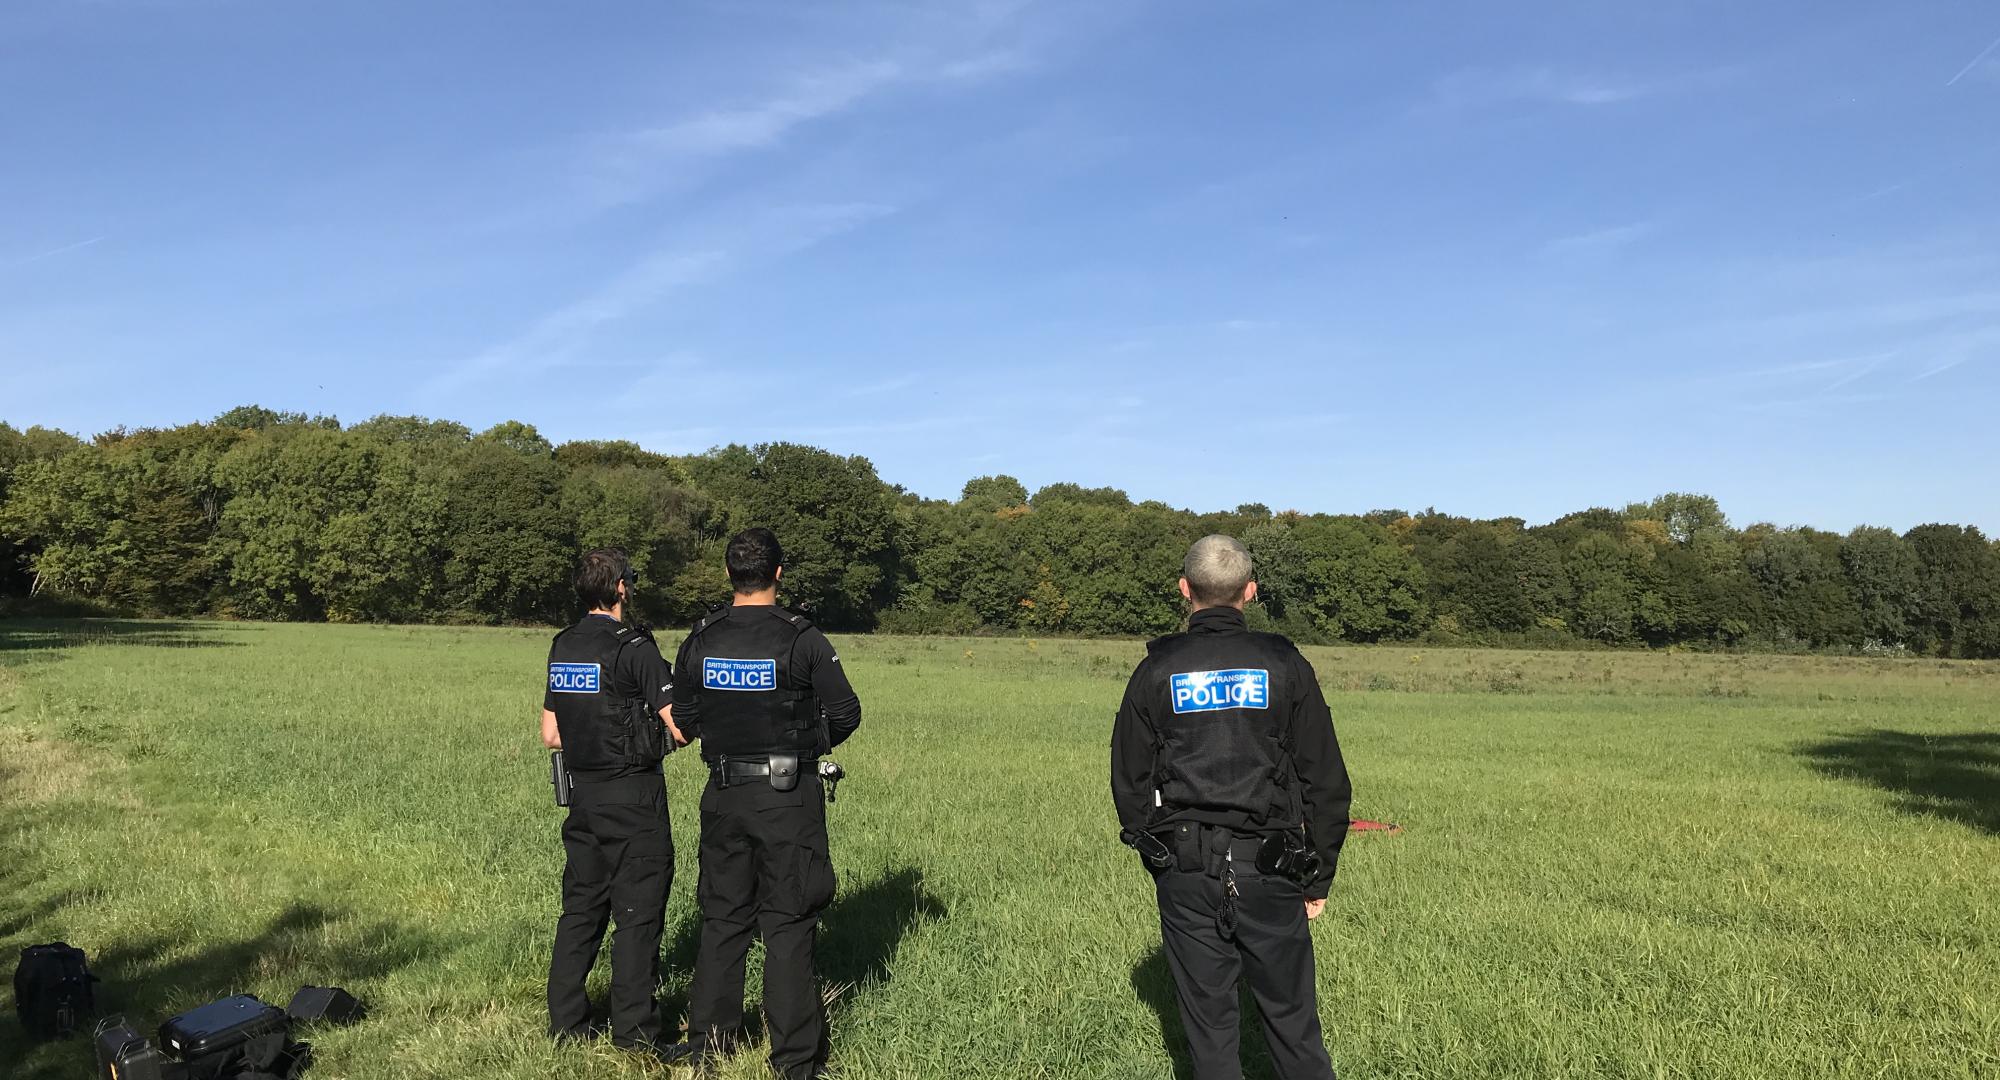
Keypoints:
(620, 866)
(1271, 950)
(765, 871)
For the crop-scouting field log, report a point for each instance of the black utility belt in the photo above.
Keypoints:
(781, 770)
(1217, 851)
(1239, 848)
(608, 776)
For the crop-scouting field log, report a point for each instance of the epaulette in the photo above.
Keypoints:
(715, 614)
(798, 615)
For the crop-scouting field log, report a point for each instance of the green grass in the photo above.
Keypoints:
(1619, 865)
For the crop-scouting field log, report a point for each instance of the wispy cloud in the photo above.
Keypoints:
(1825, 373)
(563, 333)
(1811, 405)
(1877, 316)
(1615, 236)
(558, 335)
(1805, 388)
(1474, 88)
(1822, 383)
(53, 252)
(634, 164)
(1480, 87)
(1955, 349)
(1975, 62)
(631, 164)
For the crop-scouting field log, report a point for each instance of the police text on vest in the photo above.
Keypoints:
(574, 678)
(723, 673)
(1210, 691)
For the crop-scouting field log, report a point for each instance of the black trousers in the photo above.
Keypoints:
(765, 871)
(1272, 951)
(620, 865)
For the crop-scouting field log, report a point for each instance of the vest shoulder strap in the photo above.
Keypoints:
(633, 635)
(715, 615)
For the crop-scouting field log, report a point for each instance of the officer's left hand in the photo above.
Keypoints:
(1313, 908)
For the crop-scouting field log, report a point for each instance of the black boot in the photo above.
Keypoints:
(704, 1052)
(586, 1033)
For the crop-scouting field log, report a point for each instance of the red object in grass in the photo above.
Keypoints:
(1360, 825)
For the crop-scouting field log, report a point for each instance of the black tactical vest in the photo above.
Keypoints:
(602, 716)
(1220, 706)
(753, 701)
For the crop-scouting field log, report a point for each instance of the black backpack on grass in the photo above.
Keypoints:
(52, 990)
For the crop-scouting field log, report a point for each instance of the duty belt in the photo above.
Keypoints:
(729, 770)
(1240, 848)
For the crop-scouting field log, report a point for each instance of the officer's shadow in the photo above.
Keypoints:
(859, 934)
(1153, 981)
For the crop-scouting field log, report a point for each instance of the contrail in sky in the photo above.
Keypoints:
(52, 252)
(1983, 54)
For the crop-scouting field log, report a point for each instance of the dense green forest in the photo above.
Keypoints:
(270, 515)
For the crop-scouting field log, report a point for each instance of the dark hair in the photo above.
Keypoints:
(753, 559)
(597, 579)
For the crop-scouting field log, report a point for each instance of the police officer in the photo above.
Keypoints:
(609, 710)
(1227, 777)
(764, 692)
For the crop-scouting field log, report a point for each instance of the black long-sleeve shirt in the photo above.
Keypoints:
(1291, 687)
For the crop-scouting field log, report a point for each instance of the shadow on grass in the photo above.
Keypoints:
(22, 639)
(862, 929)
(858, 937)
(151, 978)
(21, 910)
(1949, 776)
(1153, 981)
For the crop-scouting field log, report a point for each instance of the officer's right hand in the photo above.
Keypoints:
(1313, 908)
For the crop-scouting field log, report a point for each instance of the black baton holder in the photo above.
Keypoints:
(559, 776)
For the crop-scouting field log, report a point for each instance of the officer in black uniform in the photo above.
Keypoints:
(763, 690)
(1229, 781)
(609, 710)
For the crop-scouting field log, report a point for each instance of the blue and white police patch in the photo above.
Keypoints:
(574, 678)
(723, 673)
(1210, 691)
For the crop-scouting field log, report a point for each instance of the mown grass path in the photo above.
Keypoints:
(1618, 865)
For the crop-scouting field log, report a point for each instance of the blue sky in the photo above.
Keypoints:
(1499, 259)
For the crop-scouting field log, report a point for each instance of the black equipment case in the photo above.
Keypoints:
(124, 1054)
(220, 1027)
(52, 991)
(325, 1005)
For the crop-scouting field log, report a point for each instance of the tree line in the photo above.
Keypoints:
(273, 515)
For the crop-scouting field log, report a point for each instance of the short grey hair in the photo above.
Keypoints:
(1217, 567)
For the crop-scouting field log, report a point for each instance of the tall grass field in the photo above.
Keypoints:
(1611, 864)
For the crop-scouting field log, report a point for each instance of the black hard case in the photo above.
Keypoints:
(124, 1054)
(325, 1005)
(220, 1026)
